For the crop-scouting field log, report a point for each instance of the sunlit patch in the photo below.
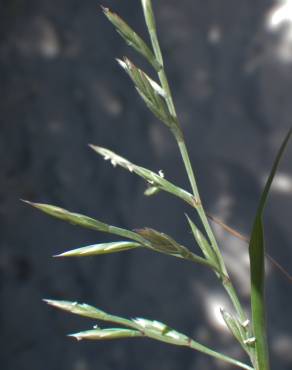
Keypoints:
(280, 14)
(279, 22)
(237, 259)
(282, 183)
(214, 304)
(222, 209)
(49, 43)
(235, 251)
(214, 34)
(80, 364)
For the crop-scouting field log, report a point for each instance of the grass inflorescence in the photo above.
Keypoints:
(250, 333)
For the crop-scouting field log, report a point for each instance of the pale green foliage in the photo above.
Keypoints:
(257, 268)
(157, 97)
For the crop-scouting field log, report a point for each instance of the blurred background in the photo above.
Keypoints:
(229, 63)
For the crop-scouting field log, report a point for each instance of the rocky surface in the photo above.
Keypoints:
(61, 89)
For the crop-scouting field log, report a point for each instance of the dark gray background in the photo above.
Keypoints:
(60, 89)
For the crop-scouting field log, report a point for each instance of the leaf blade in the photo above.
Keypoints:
(78, 219)
(85, 310)
(98, 249)
(203, 243)
(106, 334)
(257, 269)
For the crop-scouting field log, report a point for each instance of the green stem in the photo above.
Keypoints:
(151, 25)
(198, 203)
(199, 347)
(228, 286)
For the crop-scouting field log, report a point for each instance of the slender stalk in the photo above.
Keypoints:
(198, 203)
(150, 21)
(198, 347)
(228, 286)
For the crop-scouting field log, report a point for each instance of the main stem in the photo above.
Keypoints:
(150, 21)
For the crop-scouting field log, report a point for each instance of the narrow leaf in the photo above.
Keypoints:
(131, 38)
(78, 309)
(257, 267)
(106, 334)
(202, 242)
(86, 310)
(104, 248)
(85, 221)
(73, 218)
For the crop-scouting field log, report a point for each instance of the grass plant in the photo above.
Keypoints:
(250, 333)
